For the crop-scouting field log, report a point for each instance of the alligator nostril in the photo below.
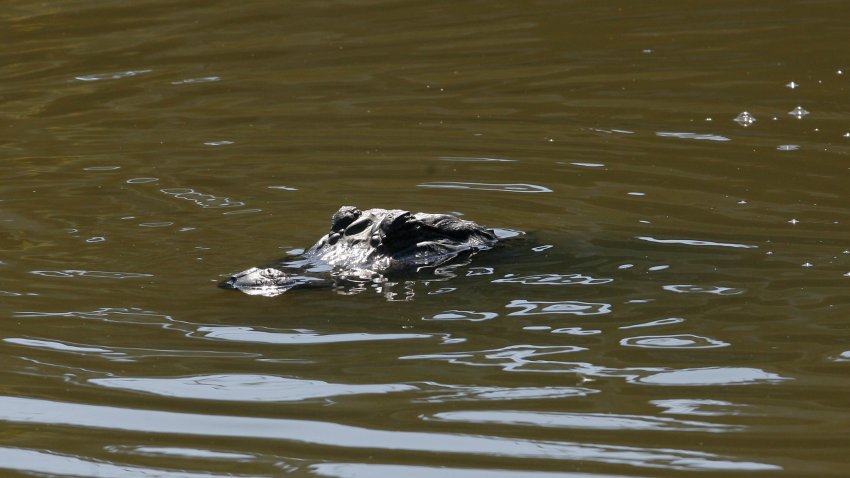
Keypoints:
(333, 238)
(375, 241)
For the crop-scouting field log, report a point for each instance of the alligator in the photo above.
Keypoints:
(368, 246)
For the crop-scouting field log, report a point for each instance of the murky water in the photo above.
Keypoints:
(678, 307)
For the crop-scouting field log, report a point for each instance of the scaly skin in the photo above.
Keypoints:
(370, 243)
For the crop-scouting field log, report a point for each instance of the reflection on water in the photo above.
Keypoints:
(21, 410)
(597, 421)
(247, 334)
(51, 464)
(711, 376)
(681, 341)
(552, 279)
(249, 388)
(513, 188)
(669, 297)
(363, 470)
(570, 307)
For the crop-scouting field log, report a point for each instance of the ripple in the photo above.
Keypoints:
(107, 314)
(689, 242)
(282, 188)
(369, 470)
(708, 376)
(193, 453)
(101, 168)
(552, 279)
(156, 224)
(8, 293)
(98, 274)
(467, 159)
(55, 464)
(682, 341)
(576, 331)
(698, 407)
(700, 289)
(507, 187)
(62, 414)
(244, 387)
(142, 180)
(223, 142)
(201, 199)
(462, 393)
(60, 346)
(242, 211)
(701, 137)
(203, 79)
(467, 315)
(514, 358)
(589, 165)
(299, 337)
(655, 323)
(479, 271)
(570, 307)
(111, 76)
(585, 421)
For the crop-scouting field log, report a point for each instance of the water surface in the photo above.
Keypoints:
(677, 307)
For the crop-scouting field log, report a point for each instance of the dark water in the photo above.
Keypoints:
(679, 306)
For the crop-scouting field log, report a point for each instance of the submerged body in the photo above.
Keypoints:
(363, 245)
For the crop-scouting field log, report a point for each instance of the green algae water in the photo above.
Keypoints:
(677, 305)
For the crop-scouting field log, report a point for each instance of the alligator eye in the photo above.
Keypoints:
(358, 226)
(344, 217)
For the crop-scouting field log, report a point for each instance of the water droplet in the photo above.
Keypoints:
(798, 112)
(793, 221)
(792, 85)
(745, 119)
(788, 147)
(808, 264)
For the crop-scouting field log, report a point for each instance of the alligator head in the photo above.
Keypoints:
(382, 240)
(364, 244)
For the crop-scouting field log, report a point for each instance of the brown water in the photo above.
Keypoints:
(679, 306)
